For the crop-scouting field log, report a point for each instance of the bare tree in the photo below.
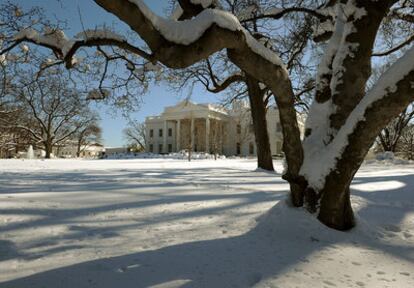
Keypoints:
(135, 135)
(50, 112)
(407, 142)
(89, 133)
(390, 137)
(344, 118)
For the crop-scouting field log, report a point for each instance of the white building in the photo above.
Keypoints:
(94, 150)
(209, 128)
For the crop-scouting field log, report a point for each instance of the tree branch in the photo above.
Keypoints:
(394, 49)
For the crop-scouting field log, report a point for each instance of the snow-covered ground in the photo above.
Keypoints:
(205, 223)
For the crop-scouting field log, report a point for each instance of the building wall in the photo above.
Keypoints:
(92, 151)
(274, 130)
(157, 140)
(237, 133)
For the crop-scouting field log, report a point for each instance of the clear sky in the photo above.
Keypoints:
(92, 15)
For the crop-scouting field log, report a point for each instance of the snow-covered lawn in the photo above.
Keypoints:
(171, 223)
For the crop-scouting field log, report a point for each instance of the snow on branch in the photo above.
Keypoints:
(189, 31)
(53, 39)
(65, 48)
(318, 165)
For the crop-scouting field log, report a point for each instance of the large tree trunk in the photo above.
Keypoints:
(48, 149)
(336, 210)
(258, 111)
(78, 149)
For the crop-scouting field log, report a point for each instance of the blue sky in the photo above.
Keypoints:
(157, 97)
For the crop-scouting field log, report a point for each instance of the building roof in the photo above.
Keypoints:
(188, 109)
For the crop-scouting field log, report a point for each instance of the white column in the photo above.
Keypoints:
(178, 135)
(208, 135)
(165, 137)
(192, 134)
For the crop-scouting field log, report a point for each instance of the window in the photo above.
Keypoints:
(251, 148)
(160, 148)
(151, 133)
(151, 148)
(169, 148)
(278, 127)
(238, 129)
(238, 149)
(160, 132)
(169, 132)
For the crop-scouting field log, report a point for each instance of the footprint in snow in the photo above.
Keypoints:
(329, 283)
(356, 263)
(407, 235)
(392, 228)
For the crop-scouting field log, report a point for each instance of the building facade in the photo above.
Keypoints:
(209, 128)
(69, 150)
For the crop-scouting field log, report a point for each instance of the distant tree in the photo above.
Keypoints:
(89, 133)
(135, 135)
(390, 137)
(407, 142)
(49, 110)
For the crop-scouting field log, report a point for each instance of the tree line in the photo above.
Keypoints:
(46, 112)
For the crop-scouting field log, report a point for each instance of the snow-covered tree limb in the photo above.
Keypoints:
(65, 49)
(181, 44)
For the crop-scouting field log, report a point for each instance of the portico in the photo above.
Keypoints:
(187, 126)
(209, 128)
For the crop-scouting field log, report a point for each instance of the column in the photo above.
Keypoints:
(178, 135)
(192, 134)
(208, 135)
(165, 135)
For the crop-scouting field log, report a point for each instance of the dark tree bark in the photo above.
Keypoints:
(48, 149)
(258, 113)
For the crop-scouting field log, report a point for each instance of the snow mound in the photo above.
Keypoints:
(295, 223)
(182, 155)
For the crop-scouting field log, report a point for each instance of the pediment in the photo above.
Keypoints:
(184, 106)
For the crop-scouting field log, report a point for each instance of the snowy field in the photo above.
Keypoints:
(171, 223)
